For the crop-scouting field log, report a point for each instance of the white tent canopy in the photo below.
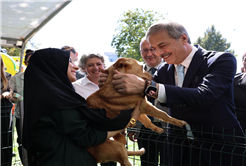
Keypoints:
(22, 19)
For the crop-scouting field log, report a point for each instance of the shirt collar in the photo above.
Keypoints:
(157, 66)
(186, 62)
(85, 81)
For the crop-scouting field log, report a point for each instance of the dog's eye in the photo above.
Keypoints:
(123, 65)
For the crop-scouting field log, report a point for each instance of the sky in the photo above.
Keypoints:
(89, 25)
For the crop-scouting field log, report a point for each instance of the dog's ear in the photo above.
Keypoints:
(123, 63)
(104, 71)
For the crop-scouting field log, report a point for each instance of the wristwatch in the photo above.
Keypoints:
(151, 87)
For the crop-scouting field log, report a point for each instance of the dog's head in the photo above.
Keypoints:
(130, 66)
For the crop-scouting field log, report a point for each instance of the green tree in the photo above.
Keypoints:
(213, 40)
(13, 51)
(16, 51)
(131, 28)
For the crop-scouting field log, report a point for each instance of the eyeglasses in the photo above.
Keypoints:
(145, 51)
(70, 60)
(73, 51)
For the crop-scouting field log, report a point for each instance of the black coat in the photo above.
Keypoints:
(205, 101)
(240, 98)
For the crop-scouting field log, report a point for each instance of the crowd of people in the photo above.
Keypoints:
(58, 128)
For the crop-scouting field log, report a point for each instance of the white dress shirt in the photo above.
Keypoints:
(84, 87)
(186, 63)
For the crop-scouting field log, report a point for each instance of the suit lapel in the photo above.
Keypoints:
(194, 65)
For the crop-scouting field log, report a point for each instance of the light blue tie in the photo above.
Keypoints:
(180, 74)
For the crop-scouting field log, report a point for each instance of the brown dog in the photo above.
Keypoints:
(113, 102)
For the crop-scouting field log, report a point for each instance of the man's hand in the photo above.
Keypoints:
(128, 83)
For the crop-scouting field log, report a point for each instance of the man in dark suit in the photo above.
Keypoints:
(240, 95)
(204, 99)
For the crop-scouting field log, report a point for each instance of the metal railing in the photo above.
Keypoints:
(233, 151)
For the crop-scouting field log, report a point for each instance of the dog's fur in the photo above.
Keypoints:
(113, 102)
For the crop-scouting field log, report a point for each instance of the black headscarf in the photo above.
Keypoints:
(47, 89)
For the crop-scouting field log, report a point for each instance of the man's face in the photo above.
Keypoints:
(173, 51)
(73, 56)
(149, 58)
(244, 62)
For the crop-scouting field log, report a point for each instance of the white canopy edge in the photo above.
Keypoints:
(22, 19)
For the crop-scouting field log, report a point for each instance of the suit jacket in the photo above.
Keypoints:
(205, 101)
(240, 98)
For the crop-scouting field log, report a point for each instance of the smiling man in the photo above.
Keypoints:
(201, 94)
(147, 138)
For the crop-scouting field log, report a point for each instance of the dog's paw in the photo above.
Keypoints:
(141, 151)
(177, 122)
(181, 123)
(158, 130)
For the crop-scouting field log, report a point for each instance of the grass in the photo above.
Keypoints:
(16, 159)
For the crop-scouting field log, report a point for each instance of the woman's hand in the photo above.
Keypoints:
(6, 95)
(103, 78)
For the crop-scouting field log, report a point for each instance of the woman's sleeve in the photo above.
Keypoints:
(72, 124)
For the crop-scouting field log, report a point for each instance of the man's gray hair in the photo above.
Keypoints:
(85, 57)
(174, 29)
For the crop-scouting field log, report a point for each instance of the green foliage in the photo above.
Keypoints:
(213, 40)
(15, 51)
(131, 28)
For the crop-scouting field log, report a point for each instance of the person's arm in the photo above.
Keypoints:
(132, 84)
(16, 97)
(72, 124)
(210, 87)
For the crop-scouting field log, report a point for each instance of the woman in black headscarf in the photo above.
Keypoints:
(58, 127)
